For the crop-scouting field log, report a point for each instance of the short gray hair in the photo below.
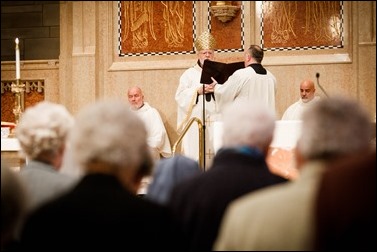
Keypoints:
(108, 132)
(43, 129)
(333, 127)
(248, 124)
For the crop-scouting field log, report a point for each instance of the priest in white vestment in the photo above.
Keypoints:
(158, 139)
(307, 99)
(189, 98)
(253, 82)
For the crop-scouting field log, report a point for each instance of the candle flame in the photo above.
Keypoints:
(16, 40)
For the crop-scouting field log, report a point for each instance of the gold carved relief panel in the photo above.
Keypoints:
(156, 27)
(301, 25)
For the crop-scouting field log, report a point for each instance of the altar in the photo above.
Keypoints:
(10, 148)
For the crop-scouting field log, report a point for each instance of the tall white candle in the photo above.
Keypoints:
(17, 60)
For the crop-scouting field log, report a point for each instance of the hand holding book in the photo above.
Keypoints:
(218, 71)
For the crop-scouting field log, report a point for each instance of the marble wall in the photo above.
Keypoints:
(89, 67)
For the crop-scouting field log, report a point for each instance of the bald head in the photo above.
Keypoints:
(307, 90)
(135, 97)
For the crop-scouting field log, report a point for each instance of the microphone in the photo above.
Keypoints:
(323, 90)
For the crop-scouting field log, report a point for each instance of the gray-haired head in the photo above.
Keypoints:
(43, 129)
(108, 133)
(248, 124)
(333, 127)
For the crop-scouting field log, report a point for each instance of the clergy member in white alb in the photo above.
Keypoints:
(253, 83)
(189, 97)
(307, 99)
(158, 139)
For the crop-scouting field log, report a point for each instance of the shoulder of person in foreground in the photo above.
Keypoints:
(349, 184)
(169, 172)
(13, 206)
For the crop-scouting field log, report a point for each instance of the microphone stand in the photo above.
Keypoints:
(204, 128)
(323, 90)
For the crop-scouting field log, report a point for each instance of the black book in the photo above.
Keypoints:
(219, 71)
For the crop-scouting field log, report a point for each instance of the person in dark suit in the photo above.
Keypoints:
(102, 212)
(239, 167)
(13, 207)
(346, 205)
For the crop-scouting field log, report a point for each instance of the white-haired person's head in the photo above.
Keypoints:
(110, 139)
(334, 127)
(249, 124)
(43, 130)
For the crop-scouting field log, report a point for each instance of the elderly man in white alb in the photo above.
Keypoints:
(307, 98)
(158, 139)
(189, 98)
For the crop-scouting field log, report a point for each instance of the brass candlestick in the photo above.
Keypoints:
(18, 89)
